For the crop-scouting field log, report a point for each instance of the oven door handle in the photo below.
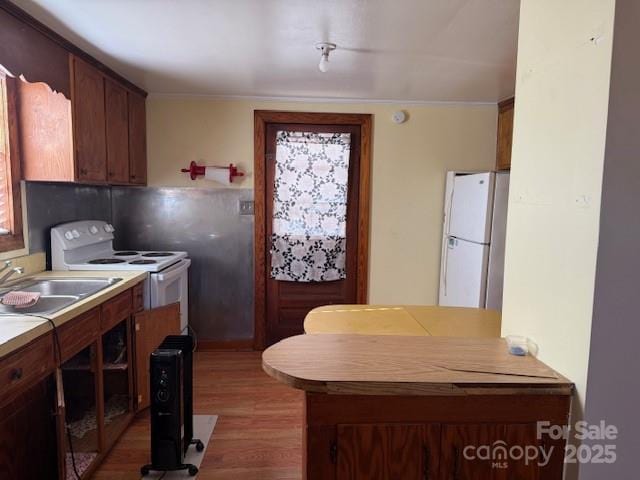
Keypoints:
(173, 271)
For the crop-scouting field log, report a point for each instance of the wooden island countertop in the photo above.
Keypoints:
(408, 365)
(391, 406)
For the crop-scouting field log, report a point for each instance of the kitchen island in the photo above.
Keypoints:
(420, 407)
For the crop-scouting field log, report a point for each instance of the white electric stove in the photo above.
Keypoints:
(88, 245)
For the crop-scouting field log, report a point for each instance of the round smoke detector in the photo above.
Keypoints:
(399, 117)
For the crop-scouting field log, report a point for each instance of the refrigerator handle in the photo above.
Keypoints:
(448, 219)
(445, 267)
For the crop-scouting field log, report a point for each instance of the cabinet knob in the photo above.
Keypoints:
(16, 374)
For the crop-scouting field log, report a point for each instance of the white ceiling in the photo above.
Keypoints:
(400, 50)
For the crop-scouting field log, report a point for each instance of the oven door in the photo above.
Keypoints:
(171, 285)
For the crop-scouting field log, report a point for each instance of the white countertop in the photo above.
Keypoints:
(18, 330)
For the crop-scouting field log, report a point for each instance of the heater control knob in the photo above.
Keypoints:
(75, 233)
(93, 229)
(162, 395)
(68, 235)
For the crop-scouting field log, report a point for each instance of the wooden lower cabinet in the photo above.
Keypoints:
(452, 438)
(28, 442)
(83, 405)
(381, 452)
(151, 327)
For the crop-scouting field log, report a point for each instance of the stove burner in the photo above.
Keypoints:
(105, 261)
(157, 254)
(142, 262)
(125, 254)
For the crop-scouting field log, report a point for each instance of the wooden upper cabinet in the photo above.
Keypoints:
(137, 139)
(505, 134)
(99, 136)
(45, 133)
(88, 100)
(117, 132)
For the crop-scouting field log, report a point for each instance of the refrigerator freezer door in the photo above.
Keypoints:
(471, 205)
(496, 250)
(463, 282)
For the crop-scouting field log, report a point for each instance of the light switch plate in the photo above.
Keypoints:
(246, 207)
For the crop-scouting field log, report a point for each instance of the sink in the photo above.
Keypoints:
(45, 306)
(81, 287)
(55, 293)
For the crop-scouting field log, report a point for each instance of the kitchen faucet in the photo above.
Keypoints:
(7, 275)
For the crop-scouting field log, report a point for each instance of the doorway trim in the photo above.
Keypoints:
(261, 119)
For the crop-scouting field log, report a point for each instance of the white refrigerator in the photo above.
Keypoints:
(475, 216)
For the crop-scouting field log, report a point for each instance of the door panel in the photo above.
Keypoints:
(137, 139)
(117, 121)
(151, 328)
(388, 452)
(89, 122)
(287, 303)
(464, 279)
(471, 206)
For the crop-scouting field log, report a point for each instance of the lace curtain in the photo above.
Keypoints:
(310, 206)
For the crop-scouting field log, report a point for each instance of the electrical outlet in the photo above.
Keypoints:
(246, 207)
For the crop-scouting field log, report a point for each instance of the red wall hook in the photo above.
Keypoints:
(196, 171)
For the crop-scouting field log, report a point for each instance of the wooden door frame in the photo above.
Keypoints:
(261, 119)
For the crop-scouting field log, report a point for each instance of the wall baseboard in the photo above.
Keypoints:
(226, 345)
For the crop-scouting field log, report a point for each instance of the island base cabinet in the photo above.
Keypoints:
(362, 437)
(381, 452)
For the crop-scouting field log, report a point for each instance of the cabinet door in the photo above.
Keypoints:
(89, 122)
(137, 139)
(28, 447)
(388, 452)
(505, 135)
(151, 327)
(487, 451)
(117, 124)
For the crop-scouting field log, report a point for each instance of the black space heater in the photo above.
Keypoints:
(171, 391)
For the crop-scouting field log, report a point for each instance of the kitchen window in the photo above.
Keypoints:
(11, 237)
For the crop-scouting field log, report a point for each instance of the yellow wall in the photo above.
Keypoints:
(409, 162)
(562, 94)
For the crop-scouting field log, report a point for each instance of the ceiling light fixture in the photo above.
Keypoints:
(325, 48)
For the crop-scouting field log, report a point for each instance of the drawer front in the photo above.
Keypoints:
(138, 298)
(26, 366)
(79, 333)
(115, 310)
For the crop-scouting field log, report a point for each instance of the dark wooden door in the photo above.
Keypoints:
(463, 460)
(388, 452)
(89, 122)
(117, 123)
(137, 139)
(289, 302)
